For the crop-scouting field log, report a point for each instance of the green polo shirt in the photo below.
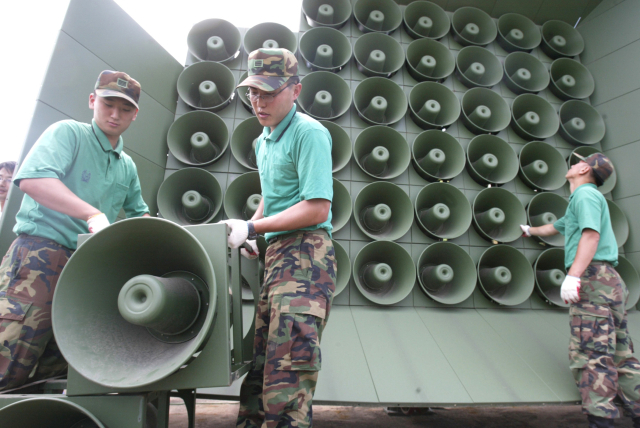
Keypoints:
(295, 165)
(79, 155)
(587, 210)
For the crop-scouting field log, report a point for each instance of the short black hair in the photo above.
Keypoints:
(294, 80)
(596, 178)
(9, 166)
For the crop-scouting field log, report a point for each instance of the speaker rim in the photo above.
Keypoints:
(406, 208)
(540, 70)
(585, 151)
(492, 28)
(585, 73)
(379, 130)
(477, 141)
(552, 52)
(552, 241)
(515, 234)
(442, 51)
(341, 284)
(549, 253)
(382, 38)
(221, 69)
(453, 101)
(16, 407)
(465, 217)
(229, 27)
(512, 47)
(457, 147)
(173, 141)
(332, 127)
(595, 118)
(627, 267)
(235, 150)
(329, 31)
(471, 51)
(437, 10)
(326, 75)
(620, 225)
(227, 203)
(484, 93)
(195, 172)
(382, 81)
(242, 97)
(542, 104)
(346, 197)
(396, 12)
(293, 39)
(315, 24)
(524, 263)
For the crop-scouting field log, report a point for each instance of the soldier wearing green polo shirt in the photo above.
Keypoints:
(294, 160)
(600, 350)
(76, 178)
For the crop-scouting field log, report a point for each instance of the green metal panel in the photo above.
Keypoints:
(151, 176)
(622, 64)
(591, 12)
(485, 5)
(623, 160)
(566, 10)
(631, 207)
(527, 8)
(620, 118)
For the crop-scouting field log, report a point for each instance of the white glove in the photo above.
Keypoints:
(525, 230)
(570, 290)
(97, 222)
(254, 250)
(239, 232)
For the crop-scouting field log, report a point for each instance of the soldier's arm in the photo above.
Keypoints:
(53, 194)
(259, 212)
(587, 247)
(545, 230)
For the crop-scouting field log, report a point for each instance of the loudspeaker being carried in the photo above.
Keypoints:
(580, 123)
(533, 117)
(473, 27)
(484, 111)
(324, 95)
(344, 267)
(270, 35)
(383, 211)
(326, 13)
(198, 138)
(547, 208)
(382, 152)
(524, 73)
(341, 206)
(380, 101)
(560, 39)
(341, 149)
(630, 278)
(378, 54)
(325, 49)
(383, 16)
(518, 33)
(619, 223)
(214, 40)
(446, 273)
(433, 105)
(542, 166)
(244, 140)
(477, 67)
(586, 151)
(491, 160)
(570, 80)
(428, 59)
(425, 19)
(207, 85)
(437, 156)
(505, 275)
(550, 273)
(442, 211)
(243, 196)
(497, 215)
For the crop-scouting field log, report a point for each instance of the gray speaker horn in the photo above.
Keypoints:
(542, 166)
(498, 214)
(382, 152)
(198, 138)
(619, 223)
(383, 211)
(505, 275)
(341, 206)
(518, 33)
(243, 142)
(477, 67)
(380, 101)
(324, 95)
(585, 151)
(446, 273)
(484, 111)
(241, 93)
(533, 117)
(344, 267)
(326, 13)
(325, 49)
(547, 208)
(580, 123)
(214, 40)
(524, 73)
(433, 105)
(378, 54)
(270, 35)
(630, 278)
(429, 60)
(491, 160)
(473, 27)
(341, 149)
(437, 156)
(207, 85)
(425, 19)
(560, 39)
(382, 16)
(570, 80)
(442, 211)
(550, 273)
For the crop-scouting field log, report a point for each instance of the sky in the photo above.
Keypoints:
(29, 29)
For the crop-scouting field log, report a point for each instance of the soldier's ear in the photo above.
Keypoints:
(296, 90)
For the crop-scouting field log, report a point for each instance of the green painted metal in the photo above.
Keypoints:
(341, 206)
(546, 208)
(214, 40)
(476, 67)
(324, 95)
(484, 111)
(38, 412)
(437, 156)
(344, 271)
(505, 275)
(341, 149)
(570, 79)
(429, 60)
(542, 166)
(243, 196)
(619, 222)
(550, 272)
(560, 39)
(383, 211)
(472, 27)
(580, 123)
(379, 101)
(382, 16)
(269, 35)
(378, 54)
(442, 211)
(433, 105)
(491, 160)
(525, 73)
(425, 19)
(533, 118)
(207, 85)
(198, 138)
(381, 152)
(517, 33)
(498, 214)
(243, 142)
(326, 13)
(190, 196)
(325, 49)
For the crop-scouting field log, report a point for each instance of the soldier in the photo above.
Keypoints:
(6, 177)
(294, 159)
(600, 349)
(76, 178)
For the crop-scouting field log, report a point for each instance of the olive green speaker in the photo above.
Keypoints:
(498, 214)
(433, 105)
(477, 67)
(518, 33)
(442, 211)
(429, 60)
(383, 211)
(580, 123)
(243, 142)
(542, 166)
(546, 208)
(241, 93)
(270, 35)
(207, 85)
(325, 49)
(505, 275)
(341, 149)
(341, 206)
(585, 151)
(446, 273)
(384, 272)
(491, 160)
(324, 95)
(570, 79)
(533, 117)
(484, 111)
(437, 156)
(214, 40)
(525, 73)
(198, 138)
(190, 196)
(243, 196)
(379, 101)
(383, 16)
(425, 19)
(560, 39)
(39, 412)
(378, 54)
(382, 152)
(550, 272)
(344, 268)
(630, 278)
(471, 26)
(326, 13)
(619, 223)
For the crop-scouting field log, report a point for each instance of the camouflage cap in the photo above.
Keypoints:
(269, 69)
(118, 84)
(600, 164)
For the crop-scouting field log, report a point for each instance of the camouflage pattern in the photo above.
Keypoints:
(600, 349)
(600, 164)
(29, 273)
(294, 306)
(269, 69)
(118, 84)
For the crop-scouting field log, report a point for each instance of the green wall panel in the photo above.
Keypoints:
(625, 159)
(526, 8)
(600, 8)
(631, 208)
(566, 10)
(621, 119)
(151, 176)
(616, 74)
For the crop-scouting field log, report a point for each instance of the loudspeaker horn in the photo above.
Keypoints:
(533, 117)
(377, 54)
(630, 278)
(383, 211)
(344, 268)
(324, 95)
(437, 156)
(243, 196)
(207, 85)
(546, 208)
(505, 275)
(446, 273)
(524, 73)
(580, 123)
(270, 35)
(341, 149)
(380, 101)
(471, 26)
(48, 412)
(498, 214)
(428, 59)
(325, 49)
(585, 151)
(433, 105)
(619, 223)
(477, 67)
(491, 160)
(560, 39)
(326, 13)
(442, 211)
(381, 16)
(384, 272)
(570, 80)
(382, 152)
(484, 111)
(243, 142)
(550, 272)
(425, 19)
(198, 138)
(518, 33)
(241, 93)
(542, 166)
(341, 206)
(214, 40)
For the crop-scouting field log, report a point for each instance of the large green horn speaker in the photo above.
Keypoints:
(214, 40)
(341, 149)
(324, 95)
(546, 208)
(580, 123)
(384, 272)
(542, 166)
(437, 156)
(326, 13)
(491, 160)
(619, 223)
(382, 152)
(630, 278)
(498, 214)
(190, 196)
(148, 307)
(446, 273)
(533, 118)
(471, 26)
(570, 79)
(325, 49)
(243, 142)
(207, 85)
(433, 105)
(550, 272)
(243, 196)
(442, 211)
(425, 19)
(560, 39)
(270, 35)
(383, 211)
(241, 93)
(505, 275)
(344, 268)
(518, 33)
(585, 151)
(198, 138)
(429, 60)
(48, 412)
(477, 67)
(380, 101)
(484, 111)
(525, 73)
(341, 206)
(378, 54)
(382, 16)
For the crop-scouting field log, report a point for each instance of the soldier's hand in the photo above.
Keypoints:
(97, 222)
(251, 252)
(570, 290)
(525, 230)
(238, 234)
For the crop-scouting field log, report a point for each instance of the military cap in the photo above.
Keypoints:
(269, 69)
(600, 164)
(118, 84)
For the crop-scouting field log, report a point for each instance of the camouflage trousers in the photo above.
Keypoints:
(600, 349)
(300, 273)
(28, 276)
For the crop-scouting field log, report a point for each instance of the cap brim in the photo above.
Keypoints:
(109, 93)
(266, 83)
(582, 158)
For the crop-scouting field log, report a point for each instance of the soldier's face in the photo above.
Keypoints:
(578, 169)
(5, 183)
(112, 114)
(271, 113)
